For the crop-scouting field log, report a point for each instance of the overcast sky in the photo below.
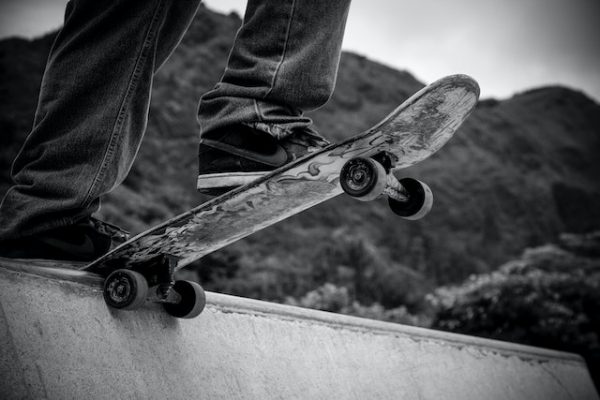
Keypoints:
(507, 45)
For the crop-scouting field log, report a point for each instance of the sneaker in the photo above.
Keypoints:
(236, 155)
(86, 240)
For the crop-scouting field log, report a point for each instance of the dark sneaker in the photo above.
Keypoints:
(236, 155)
(86, 240)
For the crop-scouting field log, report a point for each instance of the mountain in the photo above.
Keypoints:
(518, 173)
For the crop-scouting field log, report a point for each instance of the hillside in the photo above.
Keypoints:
(517, 174)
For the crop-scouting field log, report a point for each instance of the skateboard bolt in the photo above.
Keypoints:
(358, 175)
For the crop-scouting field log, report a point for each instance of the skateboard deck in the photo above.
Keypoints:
(410, 134)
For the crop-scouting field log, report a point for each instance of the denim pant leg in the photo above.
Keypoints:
(92, 109)
(284, 61)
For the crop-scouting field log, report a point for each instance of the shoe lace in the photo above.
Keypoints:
(303, 136)
(307, 139)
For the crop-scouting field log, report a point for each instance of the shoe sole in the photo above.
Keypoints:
(227, 179)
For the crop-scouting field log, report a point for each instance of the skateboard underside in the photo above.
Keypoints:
(411, 133)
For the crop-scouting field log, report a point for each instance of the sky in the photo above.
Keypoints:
(507, 45)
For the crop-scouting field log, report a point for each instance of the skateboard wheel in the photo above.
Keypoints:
(125, 289)
(420, 200)
(363, 178)
(193, 300)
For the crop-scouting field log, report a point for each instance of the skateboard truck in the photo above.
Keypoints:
(165, 281)
(367, 178)
(128, 289)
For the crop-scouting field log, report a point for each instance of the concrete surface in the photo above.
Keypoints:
(58, 340)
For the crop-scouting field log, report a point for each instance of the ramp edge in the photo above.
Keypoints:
(234, 304)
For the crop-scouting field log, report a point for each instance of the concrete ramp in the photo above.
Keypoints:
(58, 340)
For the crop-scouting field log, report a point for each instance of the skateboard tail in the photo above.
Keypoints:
(465, 84)
(440, 108)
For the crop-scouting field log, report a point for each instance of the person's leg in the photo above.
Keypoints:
(92, 110)
(284, 62)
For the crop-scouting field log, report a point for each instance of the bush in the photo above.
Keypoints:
(550, 297)
(332, 298)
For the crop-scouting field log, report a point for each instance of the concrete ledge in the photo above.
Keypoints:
(58, 340)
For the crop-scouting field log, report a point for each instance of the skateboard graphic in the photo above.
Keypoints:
(143, 268)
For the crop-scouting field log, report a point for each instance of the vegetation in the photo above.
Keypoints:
(549, 297)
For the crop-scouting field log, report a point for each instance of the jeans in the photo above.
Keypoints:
(95, 94)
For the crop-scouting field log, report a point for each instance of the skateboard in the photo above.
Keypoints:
(142, 269)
